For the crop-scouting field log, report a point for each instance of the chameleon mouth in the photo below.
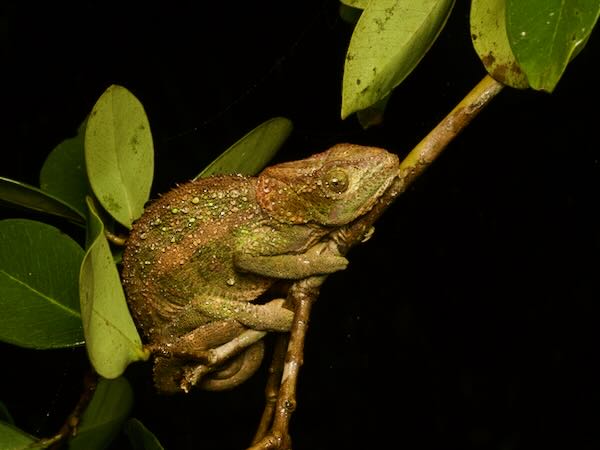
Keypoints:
(345, 236)
(378, 194)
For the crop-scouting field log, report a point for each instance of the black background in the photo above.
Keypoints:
(469, 320)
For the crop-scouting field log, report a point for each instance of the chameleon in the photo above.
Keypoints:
(201, 264)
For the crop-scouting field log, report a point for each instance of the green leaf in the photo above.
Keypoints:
(140, 437)
(63, 173)
(488, 33)
(111, 338)
(119, 155)
(546, 34)
(104, 416)
(389, 40)
(26, 196)
(39, 305)
(251, 153)
(5, 415)
(11, 438)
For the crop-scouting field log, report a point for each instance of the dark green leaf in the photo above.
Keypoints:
(488, 33)
(251, 153)
(104, 416)
(360, 4)
(140, 437)
(111, 338)
(11, 438)
(388, 42)
(39, 302)
(119, 155)
(23, 195)
(63, 173)
(546, 34)
(349, 14)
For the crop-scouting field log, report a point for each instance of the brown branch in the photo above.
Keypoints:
(305, 292)
(424, 154)
(432, 145)
(272, 387)
(69, 428)
(302, 293)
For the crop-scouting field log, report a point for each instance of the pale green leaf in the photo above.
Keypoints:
(488, 33)
(546, 34)
(11, 438)
(140, 437)
(103, 418)
(389, 40)
(119, 154)
(112, 340)
(63, 174)
(251, 153)
(26, 196)
(39, 302)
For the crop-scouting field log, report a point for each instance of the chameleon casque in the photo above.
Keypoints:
(200, 263)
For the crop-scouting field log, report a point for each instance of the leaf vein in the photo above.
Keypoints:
(42, 295)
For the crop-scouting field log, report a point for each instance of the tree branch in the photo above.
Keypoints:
(304, 292)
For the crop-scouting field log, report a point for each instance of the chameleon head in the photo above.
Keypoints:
(332, 188)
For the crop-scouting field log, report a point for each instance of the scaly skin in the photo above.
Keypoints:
(201, 253)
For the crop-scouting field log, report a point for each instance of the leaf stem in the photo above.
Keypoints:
(116, 239)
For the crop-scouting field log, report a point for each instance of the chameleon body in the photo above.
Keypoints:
(200, 261)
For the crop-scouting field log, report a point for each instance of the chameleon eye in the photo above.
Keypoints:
(336, 180)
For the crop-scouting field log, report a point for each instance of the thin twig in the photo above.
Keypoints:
(272, 386)
(303, 293)
(69, 428)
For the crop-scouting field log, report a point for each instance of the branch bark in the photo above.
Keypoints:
(304, 292)
(69, 428)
